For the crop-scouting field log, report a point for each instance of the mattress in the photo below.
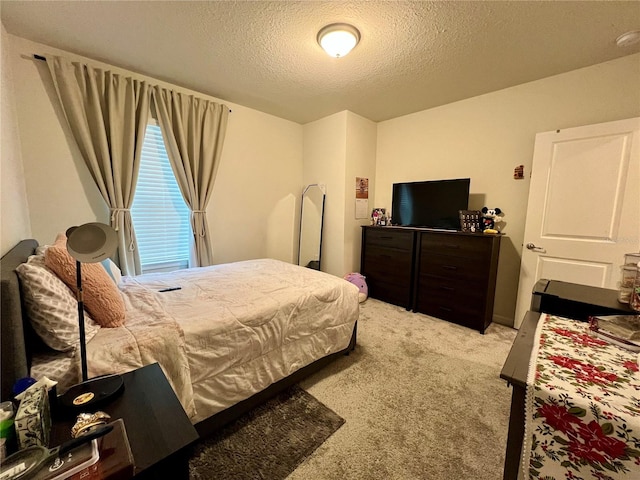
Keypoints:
(225, 332)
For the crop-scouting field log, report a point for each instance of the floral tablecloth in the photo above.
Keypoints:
(582, 406)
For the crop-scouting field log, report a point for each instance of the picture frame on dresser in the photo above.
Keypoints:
(470, 220)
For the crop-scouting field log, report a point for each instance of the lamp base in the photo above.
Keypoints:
(91, 393)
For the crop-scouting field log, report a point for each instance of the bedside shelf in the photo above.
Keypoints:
(157, 426)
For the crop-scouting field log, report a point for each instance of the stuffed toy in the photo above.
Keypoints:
(490, 216)
(358, 281)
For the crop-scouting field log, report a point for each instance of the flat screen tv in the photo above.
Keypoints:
(430, 204)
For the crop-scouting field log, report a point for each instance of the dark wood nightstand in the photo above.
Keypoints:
(557, 298)
(157, 426)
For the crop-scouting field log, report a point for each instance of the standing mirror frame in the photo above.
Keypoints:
(311, 226)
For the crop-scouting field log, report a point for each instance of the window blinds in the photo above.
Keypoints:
(160, 216)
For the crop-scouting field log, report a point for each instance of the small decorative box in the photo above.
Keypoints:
(33, 419)
(470, 220)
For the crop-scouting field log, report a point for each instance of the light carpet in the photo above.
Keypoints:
(422, 399)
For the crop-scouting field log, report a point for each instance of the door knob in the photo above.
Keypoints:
(532, 246)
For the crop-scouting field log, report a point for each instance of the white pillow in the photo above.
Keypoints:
(51, 306)
(113, 270)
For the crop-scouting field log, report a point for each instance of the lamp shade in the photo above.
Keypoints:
(91, 242)
(338, 39)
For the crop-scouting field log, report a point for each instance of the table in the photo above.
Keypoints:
(576, 301)
(157, 426)
(514, 371)
(558, 298)
(583, 416)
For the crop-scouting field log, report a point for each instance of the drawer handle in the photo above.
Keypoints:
(446, 245)
(446, 309)
(387, 238)
(448, 289)
(385, 256)
(449, 267)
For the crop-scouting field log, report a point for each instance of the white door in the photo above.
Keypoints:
(583, 212)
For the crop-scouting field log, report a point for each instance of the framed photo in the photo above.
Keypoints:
(470, 220)
(379, 216)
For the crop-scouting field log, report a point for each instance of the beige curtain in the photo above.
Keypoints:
(193, 131)
(108, 116)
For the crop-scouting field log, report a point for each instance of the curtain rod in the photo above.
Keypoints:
(44, 59)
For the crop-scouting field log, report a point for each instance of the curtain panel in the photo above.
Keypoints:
(108, 115)
(193, 130)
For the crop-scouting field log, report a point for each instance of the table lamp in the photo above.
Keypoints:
(90, 243)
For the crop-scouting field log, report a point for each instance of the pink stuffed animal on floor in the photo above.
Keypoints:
(358, 281)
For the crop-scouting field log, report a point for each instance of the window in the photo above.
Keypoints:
(161, 218)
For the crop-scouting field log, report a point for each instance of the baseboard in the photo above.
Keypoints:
(506, 321)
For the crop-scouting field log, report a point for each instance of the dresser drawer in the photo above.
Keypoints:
(454, 267)
(389, 291)
(464, 313)
(470, 246)
(390, 238)
(387, 258)
(447, 292)
(388, 264)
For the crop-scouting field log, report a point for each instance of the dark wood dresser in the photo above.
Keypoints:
(449, 275)
(456, 277)
(388, 260)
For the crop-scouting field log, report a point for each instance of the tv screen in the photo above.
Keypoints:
(430, 204)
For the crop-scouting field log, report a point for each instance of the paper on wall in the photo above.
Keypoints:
(362, 208)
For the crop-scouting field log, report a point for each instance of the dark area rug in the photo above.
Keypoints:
(268, 442)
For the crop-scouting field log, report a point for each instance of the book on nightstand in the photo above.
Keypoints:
(116, 460)
(621, 330)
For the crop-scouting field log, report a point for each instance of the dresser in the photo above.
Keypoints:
(456, 277)
(388, 264)
(448, 275)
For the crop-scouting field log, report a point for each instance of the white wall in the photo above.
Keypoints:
(254, 210)
(14, 211)
(360, 162)
(486, 137)
(337, 149)
(324, 163)
(254, 207)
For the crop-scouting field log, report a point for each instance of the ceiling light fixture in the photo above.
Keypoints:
(628, 38)
(338, 39)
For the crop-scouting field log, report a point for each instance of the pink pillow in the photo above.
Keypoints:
(102, 299)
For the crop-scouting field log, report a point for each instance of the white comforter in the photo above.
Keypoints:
(229, 331)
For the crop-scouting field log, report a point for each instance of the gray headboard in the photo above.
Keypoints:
(18, 338)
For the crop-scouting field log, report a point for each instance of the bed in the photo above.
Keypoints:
(228, 338)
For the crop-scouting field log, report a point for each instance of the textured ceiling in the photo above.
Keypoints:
(264, 55)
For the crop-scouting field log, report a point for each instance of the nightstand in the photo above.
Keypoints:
(157, 426)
